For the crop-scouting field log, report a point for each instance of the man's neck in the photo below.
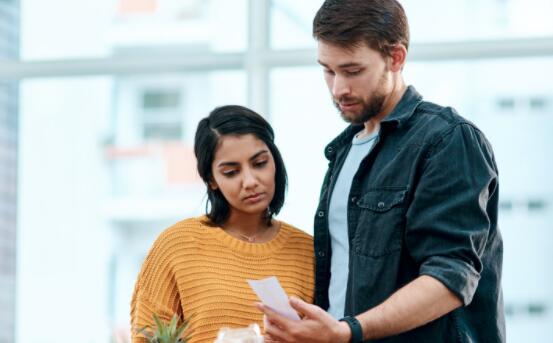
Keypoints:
(373, 125)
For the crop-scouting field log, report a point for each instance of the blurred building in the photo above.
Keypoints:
(9, 50)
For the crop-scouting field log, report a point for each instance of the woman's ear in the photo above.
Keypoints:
(212, 185)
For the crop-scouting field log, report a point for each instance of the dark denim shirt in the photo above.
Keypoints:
(423, 202)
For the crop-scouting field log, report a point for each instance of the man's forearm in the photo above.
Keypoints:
(417, 303)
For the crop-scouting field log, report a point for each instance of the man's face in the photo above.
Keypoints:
(358, 79)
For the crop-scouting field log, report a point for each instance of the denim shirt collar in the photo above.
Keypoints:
(404, 108)
(399, 115)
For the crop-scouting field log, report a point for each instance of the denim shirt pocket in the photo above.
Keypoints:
(381, 218)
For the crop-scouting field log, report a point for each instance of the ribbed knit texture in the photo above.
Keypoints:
(199, 271)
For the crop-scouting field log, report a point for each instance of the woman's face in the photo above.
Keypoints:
(244, 171)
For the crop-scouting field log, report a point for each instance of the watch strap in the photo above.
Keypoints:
(356, 330)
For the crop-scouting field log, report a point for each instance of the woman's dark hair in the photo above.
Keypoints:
(381, 24)
(234, 120)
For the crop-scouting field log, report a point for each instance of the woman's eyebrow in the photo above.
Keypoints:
(258, 154)
(232, 164)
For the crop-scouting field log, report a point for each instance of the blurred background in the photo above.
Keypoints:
(99, 101)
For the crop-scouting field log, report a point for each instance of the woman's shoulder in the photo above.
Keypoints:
(185, 232)
(296, 233)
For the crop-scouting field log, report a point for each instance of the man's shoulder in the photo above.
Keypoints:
(442, 116)
(437, 120)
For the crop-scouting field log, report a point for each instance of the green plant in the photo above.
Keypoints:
(167, 332)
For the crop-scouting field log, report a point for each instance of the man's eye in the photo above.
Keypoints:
(328, 72)
(353, 72)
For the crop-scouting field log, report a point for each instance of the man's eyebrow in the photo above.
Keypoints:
(349, 64)
(344, 65)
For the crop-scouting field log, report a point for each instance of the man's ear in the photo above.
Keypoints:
(398, 57)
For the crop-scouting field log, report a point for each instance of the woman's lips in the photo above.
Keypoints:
(254, 198)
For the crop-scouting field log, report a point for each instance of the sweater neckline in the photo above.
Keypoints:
(247, 248)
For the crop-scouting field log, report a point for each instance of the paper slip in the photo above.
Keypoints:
(271, 294)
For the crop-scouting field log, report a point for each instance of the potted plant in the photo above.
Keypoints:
(167, 332)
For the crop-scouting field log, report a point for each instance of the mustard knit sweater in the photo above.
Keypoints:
(199, 271)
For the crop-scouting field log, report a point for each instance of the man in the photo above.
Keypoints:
(406, 239)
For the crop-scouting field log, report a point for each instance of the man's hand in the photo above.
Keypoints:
(317, 326)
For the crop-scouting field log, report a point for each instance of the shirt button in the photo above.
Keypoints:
(353, 199)
(321, 253)
(321, 214)
(330, 150)
(381, 204)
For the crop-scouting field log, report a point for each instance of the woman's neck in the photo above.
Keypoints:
(246, 224)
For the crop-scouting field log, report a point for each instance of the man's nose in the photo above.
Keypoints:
(340, 87)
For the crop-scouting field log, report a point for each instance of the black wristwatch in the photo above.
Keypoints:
(356, 330)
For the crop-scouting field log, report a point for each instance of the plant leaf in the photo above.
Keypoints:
(161, 329)
(146, 332)
(173, 325)
(179, 332)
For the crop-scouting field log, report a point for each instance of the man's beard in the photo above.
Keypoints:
(368, 111)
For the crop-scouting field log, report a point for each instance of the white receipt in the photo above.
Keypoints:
(271, 294)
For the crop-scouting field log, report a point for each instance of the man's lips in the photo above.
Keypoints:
(346, 106)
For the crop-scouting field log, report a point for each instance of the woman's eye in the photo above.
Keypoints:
(229, 173)
(260, 163)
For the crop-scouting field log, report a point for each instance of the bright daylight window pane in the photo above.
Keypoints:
(453, 20)
(57, 29)
(291, 23)
(105, 164)
(302, 116)
(459, 20)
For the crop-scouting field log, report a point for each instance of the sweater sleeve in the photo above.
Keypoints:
(155, 290)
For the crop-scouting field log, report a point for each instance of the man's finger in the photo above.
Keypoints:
(275, 318)
(277, 334)
(267, 338)
(308, 310)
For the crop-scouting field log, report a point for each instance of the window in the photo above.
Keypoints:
(161, 117)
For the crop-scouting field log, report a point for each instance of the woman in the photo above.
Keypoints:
(199, 267)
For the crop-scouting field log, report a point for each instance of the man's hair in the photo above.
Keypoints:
(234, 120)
(381, 24)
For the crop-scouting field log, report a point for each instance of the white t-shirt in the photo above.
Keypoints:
(337, 223)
